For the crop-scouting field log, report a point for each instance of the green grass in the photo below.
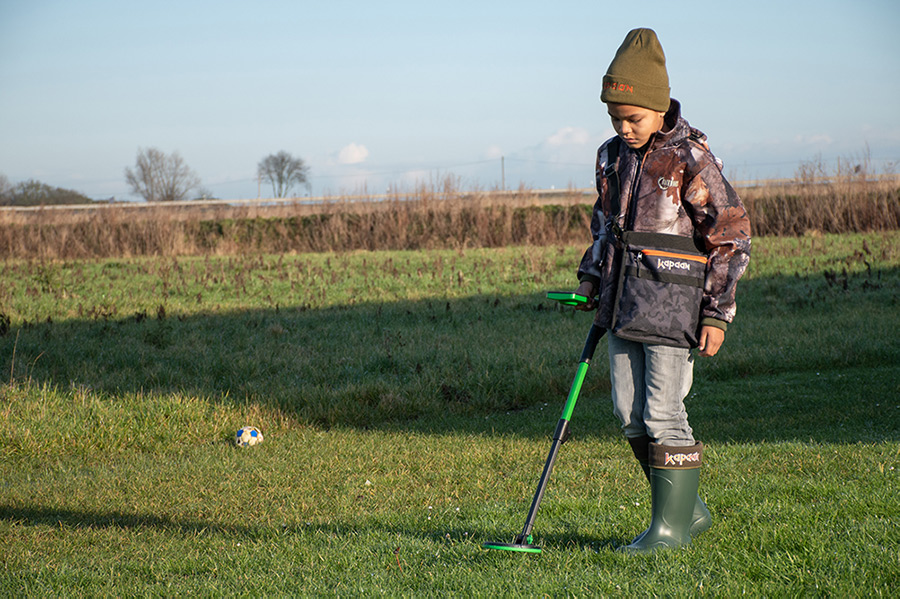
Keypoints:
(407, 401)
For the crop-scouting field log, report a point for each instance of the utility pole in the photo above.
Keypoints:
(503, 173)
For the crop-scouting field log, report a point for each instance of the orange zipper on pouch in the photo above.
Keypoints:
(661, 253)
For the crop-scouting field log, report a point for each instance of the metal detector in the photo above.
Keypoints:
(523, 541)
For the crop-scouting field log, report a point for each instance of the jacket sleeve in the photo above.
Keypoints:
(591, 265)
(723, 226)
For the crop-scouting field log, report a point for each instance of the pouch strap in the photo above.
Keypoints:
(637, 239)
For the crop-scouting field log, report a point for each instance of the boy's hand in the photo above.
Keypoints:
(711, 339)
(587, 290)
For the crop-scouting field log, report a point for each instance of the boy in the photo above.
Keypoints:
(660, 188)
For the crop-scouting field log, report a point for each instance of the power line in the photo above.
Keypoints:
(400, 170)
(553, 163)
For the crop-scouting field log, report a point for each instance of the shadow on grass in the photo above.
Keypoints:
(809, 358)
(86, 519)
(69, 518)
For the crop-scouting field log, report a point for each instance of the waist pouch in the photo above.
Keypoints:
(660, 289)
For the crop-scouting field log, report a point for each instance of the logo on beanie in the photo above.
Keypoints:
(679, 459)
(618, 87)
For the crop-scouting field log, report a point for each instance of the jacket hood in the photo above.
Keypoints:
(675, 128)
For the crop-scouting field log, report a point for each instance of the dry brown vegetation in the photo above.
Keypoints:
(426, 218)
(839, 204)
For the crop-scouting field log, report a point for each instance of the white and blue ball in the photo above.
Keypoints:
(248, 436)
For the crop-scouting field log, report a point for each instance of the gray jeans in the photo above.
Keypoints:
(649, 384)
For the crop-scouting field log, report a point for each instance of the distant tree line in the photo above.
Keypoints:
(159, 177)
(35, 193)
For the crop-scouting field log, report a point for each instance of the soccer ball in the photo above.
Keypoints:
(248, 436)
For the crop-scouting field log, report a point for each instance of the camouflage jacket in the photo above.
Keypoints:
(676, 187)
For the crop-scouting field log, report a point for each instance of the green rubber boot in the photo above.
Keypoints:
(701, 520)
(674, 478)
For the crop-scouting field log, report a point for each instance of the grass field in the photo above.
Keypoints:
(407, 400)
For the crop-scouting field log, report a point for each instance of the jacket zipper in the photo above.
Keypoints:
(628, 216)
(635, 188)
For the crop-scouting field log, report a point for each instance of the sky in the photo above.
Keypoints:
(392, 94)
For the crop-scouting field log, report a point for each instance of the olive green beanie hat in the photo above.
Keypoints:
(637, 75)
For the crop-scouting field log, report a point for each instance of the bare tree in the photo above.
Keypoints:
(6, 189)
(283, 171)
(158, 177)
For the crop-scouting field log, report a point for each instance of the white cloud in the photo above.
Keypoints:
(493, 152)
(568, 136)
(820, 139)
(353, 153)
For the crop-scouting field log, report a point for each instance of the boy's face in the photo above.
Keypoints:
(635, 124)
